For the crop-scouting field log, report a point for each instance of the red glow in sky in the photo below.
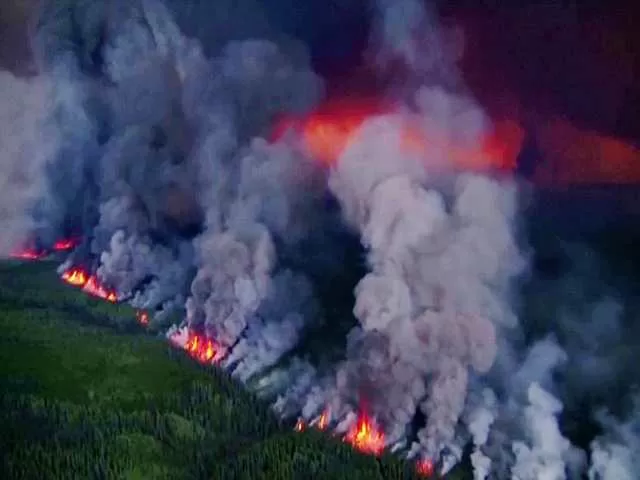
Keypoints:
(327, 131)
(568, 155)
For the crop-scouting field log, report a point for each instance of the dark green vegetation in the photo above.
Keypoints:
(85, 394)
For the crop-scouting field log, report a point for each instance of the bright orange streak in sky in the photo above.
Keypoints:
(327, 132)
(567, 155)
(574, 156)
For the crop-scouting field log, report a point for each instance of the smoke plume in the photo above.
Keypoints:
(27, 140)
(149, 135)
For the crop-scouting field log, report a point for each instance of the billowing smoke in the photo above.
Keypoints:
(150, 139)
(439, 282)
(27, 140)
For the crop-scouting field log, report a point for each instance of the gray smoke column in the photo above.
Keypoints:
(251, 194)
(441, 268)
(442, 259)
(544, 458)
(481, 413)
(26, 143)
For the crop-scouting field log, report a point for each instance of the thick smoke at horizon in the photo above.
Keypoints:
(150, 139)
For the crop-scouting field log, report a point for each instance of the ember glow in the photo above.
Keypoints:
(142, 317)
(425, 467)
(365, 436)
(323, 421)
(64, 245)
(30, 252)
(78, 277)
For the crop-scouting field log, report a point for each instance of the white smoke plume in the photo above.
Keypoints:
(442, 262)
(543, 458)
(440, 274)
(616, 454)
(480, 415)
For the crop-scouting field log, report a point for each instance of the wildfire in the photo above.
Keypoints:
(201, 347)
(425, 467)
(323, 421)
(142, 317)
(88, 283)
(31, 252)
(365, 436)
(63, 245)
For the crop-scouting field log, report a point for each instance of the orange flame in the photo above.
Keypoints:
(365, 436)
(75, 276)
(201, 347)
(299, 425)
(88, 283)
(32, 253)
(425, 467)
(142, 317)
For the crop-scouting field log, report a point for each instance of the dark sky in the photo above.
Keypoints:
(582, 61)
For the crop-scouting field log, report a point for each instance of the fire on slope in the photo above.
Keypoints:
(365, 436)
(78, 277)
(142, 317)
(31, 252)
(201, 347)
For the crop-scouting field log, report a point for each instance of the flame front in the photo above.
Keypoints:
(142, 317)
(75, 276)
(425, 467)
(201, 347)
(30, 252)
(323, 422)
(365, 436)
(64, 245)
(88, 283)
